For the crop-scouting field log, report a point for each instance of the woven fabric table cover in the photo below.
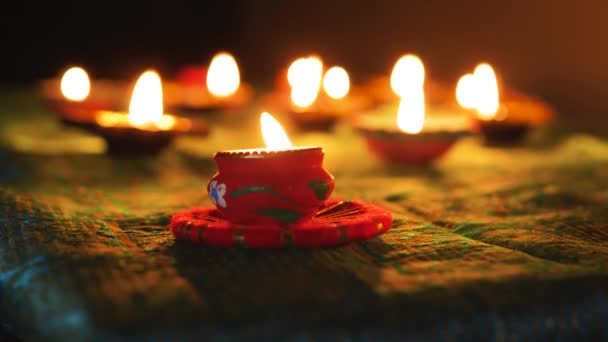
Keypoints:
(490, 243)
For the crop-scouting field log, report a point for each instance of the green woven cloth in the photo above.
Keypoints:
(493, 243)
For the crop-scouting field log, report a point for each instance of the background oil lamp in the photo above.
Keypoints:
(208, 88)
(500, 121)
(414, 138)
(314, 98)
(75, 97)
(145, 129)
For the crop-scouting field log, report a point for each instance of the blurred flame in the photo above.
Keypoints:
(466, 91)
(274, 136)
(146, 105)
(407, 74)
(223, 78)
(410, 115)
(305, 75)
(75, 84)
(486, 88)
(336, 82)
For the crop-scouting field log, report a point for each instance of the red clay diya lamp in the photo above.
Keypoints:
(500, 121)
(314, 99)
(276, 197)
(75, 98)
(416, 139)
(145, 129)
(208, 89)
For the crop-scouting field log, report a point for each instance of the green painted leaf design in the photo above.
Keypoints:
(259, 188)
(283, 215)
(319, 187)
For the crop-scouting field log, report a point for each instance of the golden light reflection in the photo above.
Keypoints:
(274, 136)
(223, 78)
(336, 82)
(75, 84)
(407, 72)
(305, 76)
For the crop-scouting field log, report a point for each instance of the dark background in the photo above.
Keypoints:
(557, 49)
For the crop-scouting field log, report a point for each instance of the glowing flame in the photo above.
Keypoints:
(223, 78)
(410, 115)
(486, 90)
(147, 100)
(336, 82)
(274, 136)
(305, 75)
(466, 91)
(407, 74)
(75, 84)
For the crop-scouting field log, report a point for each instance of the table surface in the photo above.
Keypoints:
(497, 243)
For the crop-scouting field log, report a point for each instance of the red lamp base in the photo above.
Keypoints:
(403, 149)
(335, 223)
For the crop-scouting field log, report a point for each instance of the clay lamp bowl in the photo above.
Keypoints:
(394, 146)
(515, 117)
(322, 115)
(123, 137)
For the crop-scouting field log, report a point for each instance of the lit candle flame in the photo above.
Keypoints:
(223, 78)
(305, 76)
(410, 115)
(407, 74)
(487, 91)
(479, 91)
(466, 91)
(336, 82)
(75, 84)
(274, 136)
(146, 105)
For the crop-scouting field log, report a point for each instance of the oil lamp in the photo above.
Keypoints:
(414, 138)
(209, 88)
(145, 129)
(315, 98)
(274, 197)
(500, 121)
(75, 98)
(279, 183)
